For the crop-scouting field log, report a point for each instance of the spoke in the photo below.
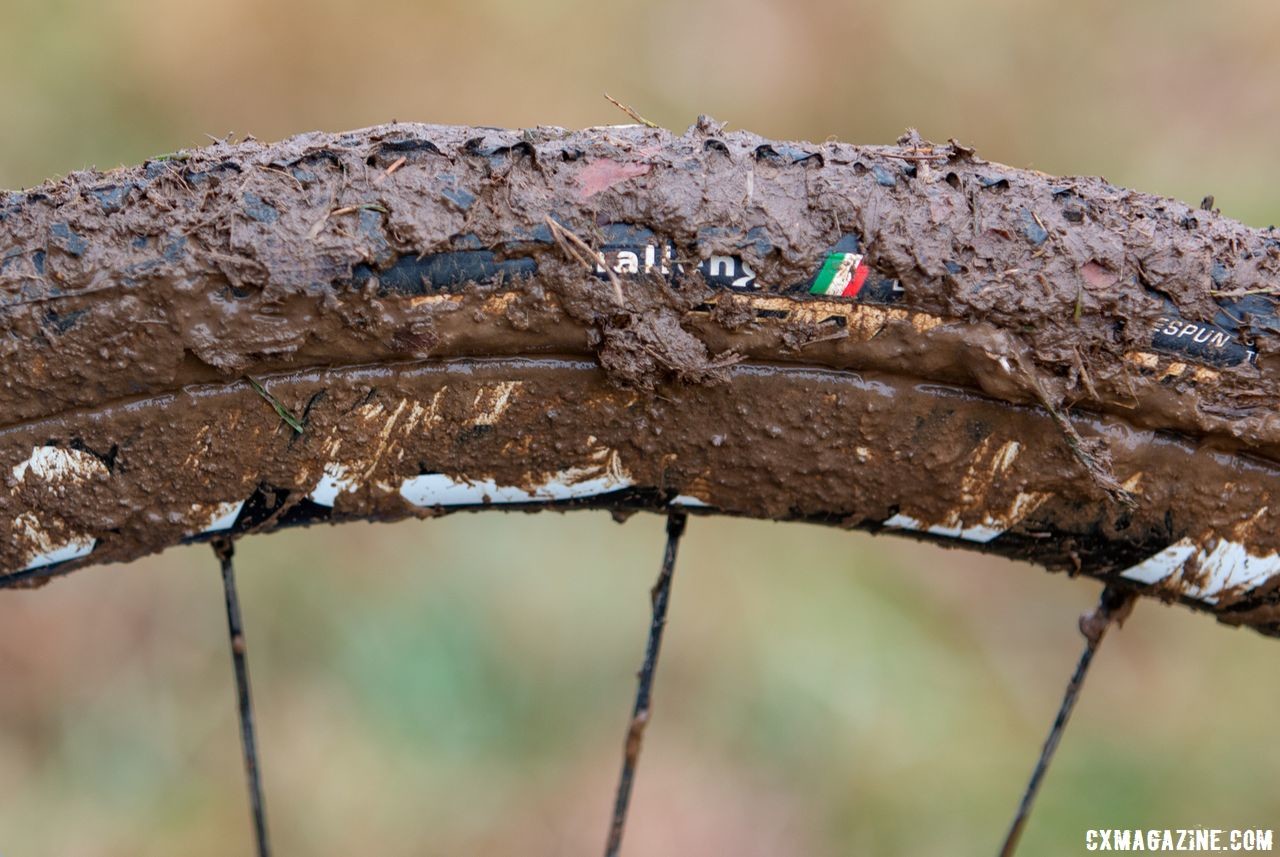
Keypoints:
(1113, 606)
(658, 596)
(248, 742)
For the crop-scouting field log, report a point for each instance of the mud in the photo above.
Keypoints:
(161, 286)
(247, 256)
(863, 451)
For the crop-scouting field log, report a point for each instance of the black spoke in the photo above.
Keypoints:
(658, 596)
(1113, 606)
(248, 742)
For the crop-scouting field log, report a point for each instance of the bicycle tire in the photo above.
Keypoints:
(412, 319)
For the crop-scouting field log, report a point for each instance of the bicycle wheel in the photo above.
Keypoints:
(414, 319)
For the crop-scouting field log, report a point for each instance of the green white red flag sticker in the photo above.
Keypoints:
(841, 275)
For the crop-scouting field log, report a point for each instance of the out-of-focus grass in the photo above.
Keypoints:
(462, 685)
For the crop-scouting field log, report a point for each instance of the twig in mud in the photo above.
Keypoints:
(1044, 285)
(395, 165)
(317, 226)
(1097, 470)
(1240, 293)
(571, 244)
(364, 206)
(1096, 464)
(630, 112)
(917, 156)
(1084, 374)
(723, 361)
(290, 176)
(1239, 320)
(839, 334)
(276, 405)
(1040, 223)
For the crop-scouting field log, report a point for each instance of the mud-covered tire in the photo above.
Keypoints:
(414, 319)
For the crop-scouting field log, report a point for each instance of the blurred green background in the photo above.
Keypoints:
(462, 686)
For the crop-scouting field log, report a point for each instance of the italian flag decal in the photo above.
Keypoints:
(842, 275)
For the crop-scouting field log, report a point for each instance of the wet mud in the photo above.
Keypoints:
(705, 269)
(853, 450)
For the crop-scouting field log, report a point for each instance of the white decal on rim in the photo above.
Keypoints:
(48, 552)
(216, 517)
(438, 489)
(982, 533)
(60, 466)
(334, 481)
(1157, 567)
(1228, 566)
(57, 464)
(990, 527)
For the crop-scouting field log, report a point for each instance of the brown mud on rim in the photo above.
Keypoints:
(856, 450)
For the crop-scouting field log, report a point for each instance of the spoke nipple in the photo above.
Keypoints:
(1093, 623)
(1114, 606)
(223, 548)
